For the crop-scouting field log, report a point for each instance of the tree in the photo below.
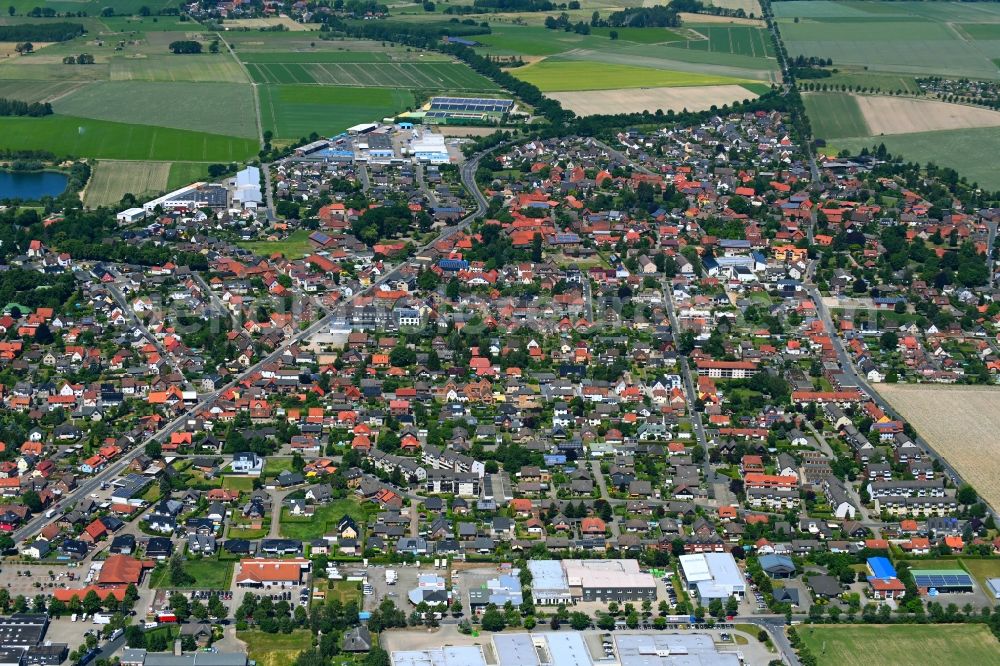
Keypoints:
(579, 621)
(453, 290)
(32, 501)
(889, 341)
(180, 606)
(493, 619)
(214, 46)
(154, 449)
(185, 46)
(91, 603)
(966, 495)
(199, 610)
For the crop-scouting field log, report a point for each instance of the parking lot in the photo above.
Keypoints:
(406, 581)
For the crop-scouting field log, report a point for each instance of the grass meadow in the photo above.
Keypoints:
(295, 246)
(275, 649)
(896, 645)
(294, 111)
(835, 115)
(563, 76)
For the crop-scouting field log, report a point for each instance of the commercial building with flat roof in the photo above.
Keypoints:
(648, 649)
(564, 648)
(609, 580)
(471, 655)
(713, 575)
(548, 583)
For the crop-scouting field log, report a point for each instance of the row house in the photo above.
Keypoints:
(916, 506)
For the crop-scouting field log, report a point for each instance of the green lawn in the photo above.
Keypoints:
(294, 246)
(275, 649)
(246, 533)
(85, 137)
(899, 645)
(217, 108)
(294, 111)
(562, 76)
(244, 484)
(209, 574)
(344, 591)
(979, 569)
(325, 518)
(835, 115)
(274, 466)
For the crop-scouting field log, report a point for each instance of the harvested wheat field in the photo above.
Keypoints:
(903, 115)
(693, 98)
(748, 6)
(962, 423)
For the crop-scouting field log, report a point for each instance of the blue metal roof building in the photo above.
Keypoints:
(881, 568)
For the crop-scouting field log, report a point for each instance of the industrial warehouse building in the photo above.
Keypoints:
(713, 576)
(568, 581)
(569, 648)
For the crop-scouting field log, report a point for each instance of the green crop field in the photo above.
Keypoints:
(37, 91)
(126, 24)
(562, 76)
(439, 75)
(971, 152)
(292, 112)
(219, 108)
(735, 39)
(84, 137)
(896, 645)
(641, 35)
(185, 173)
(868, 79)
(312, 56)
(901, 37)
(112, 179)
(169, 67)
(835, 115)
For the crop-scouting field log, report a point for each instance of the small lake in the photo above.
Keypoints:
(31, 185)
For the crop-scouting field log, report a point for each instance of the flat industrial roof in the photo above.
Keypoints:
(720, 568)
(515, 650)
(547, 575)
(447, 656)
(671, 650)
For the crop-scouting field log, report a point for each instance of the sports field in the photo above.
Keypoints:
(897, 645)
(437, 75)
(85, 137)
(835, 115)
(562, 76)
(112, 179)
(218, 108)
(292, 112)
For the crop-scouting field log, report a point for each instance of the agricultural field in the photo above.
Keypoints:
(218, 108)
(738, 40)
(694, 98)
(561, 76)
(112, 179)
(960, 423)
(84, 137)
(169, 67)
(971, 152)
(901, 115)
(896, 645)
(835, 115)
(185, 173)
(414, 76)
(294, 111)
(898, 37)
(38, 91)
(886, 82)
